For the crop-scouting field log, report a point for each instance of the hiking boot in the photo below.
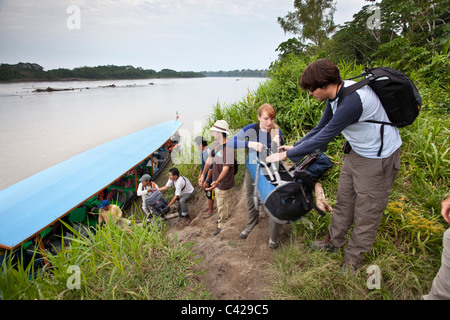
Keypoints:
(273, 244)
(349, 268)
(244, 234)
(217, 231)
(187, 220)
(323, 245)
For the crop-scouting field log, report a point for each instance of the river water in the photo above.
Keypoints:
(41, 129)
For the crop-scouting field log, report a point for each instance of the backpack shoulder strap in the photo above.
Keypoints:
(257, 127)
(352, 88)
(184, 183)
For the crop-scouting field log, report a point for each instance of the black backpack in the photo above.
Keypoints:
(397, 93)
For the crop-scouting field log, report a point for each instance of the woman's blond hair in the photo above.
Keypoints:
(270, 111)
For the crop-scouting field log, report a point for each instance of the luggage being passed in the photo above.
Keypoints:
(287, 195)
(156, 204)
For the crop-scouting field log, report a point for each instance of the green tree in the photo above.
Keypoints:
(410, 29)
(293, 45)
(312, 20)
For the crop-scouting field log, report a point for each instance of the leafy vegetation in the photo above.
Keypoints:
(115, 262)
(33, 71)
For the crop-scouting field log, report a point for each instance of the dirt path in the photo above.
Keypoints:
(234, 268)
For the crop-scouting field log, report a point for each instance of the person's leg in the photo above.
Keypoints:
(226, 208)
(342, 217)
(252, 212)
(210, 195)
(274, 233)
(223, 208)
(440, 289)
(183, 207)
(220, 207)
(373, 183)
(145, 210)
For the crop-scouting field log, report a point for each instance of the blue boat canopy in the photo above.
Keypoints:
(31, 205)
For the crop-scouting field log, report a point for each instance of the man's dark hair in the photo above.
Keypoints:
(320, 74)
(201, 140)
(174, 171)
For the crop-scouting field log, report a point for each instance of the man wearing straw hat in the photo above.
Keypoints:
(222, 159)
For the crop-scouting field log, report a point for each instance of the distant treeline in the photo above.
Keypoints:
(33, 71)
(237, 73)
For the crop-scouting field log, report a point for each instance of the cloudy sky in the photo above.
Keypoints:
(184, 35)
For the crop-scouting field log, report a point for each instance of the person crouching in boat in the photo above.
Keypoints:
(107, 211)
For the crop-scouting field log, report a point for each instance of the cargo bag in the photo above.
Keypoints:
(293, 196)
(156, 204)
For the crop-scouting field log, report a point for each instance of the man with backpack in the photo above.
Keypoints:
(184, 192)
(371, 165)
(223, 161)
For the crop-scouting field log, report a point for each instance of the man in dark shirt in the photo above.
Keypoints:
(222, 159)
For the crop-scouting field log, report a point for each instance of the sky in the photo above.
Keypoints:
(183, 35)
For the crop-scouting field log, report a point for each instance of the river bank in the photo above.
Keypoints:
(230, 268)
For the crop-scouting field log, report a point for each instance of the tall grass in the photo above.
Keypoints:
(115, 262)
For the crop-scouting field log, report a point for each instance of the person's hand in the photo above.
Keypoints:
(258, 146)
(445, 211)
(276, 157)
(200, 181)
(285, 148)
(214, 184)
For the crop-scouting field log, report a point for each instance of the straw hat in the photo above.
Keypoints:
(220, 126)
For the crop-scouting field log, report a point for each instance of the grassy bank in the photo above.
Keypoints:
(133, 262)
(409, 242)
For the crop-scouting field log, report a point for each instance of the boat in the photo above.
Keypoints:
(74, 188)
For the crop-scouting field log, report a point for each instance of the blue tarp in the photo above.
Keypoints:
(263, 185)
(36, 202)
